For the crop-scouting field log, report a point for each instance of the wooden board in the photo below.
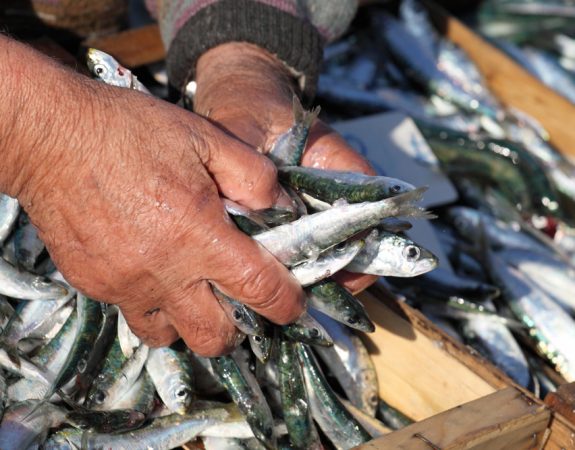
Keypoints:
(421, 370)
(134, 47)
(504, 420)
(512, 84)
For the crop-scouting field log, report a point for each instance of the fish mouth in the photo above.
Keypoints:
(427, 262)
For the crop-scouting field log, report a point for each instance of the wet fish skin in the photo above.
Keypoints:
(335, 421)
(349, 360)
(289, 147)
(338, 303)
(388, 254)
(331, 185)
(114, 421)
(9, 210)
(246, 393)
(107, 69)
(172, 375)
(294, 399)
(140, 397)
(308, 330)
(310, 235)
(328, 263)
(27, 286)
(245, 320)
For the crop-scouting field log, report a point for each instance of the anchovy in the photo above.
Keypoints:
(105, 68)
(246, 320)
(172, 375)
(294, 399)
(349, 361)
(332, 185)
(288, 147)
(334, 420)
(26, 424)
(9, 210)
(27, 286)
(308, 236)
(245, 392)
(328, 263)
(388, 254)
(128, 340)
(308, 330)
(336, 302)
(164, 433)
(140, 397)
(115, 421)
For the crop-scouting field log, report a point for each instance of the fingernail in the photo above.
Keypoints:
(285, 201)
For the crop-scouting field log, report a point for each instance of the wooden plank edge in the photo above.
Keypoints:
(497, 421)
(460, 352)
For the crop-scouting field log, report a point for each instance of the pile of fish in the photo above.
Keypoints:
(74, 375)
(506, 286)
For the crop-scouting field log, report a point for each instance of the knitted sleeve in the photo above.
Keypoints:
(293, 30)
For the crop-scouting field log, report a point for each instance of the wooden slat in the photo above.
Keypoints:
(513, 85)
(503, 420)
(562, 434)
(132, 48)
(421, 370)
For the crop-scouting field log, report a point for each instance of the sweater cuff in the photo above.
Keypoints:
(292, 40)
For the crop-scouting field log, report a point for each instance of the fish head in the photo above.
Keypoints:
(399, 187)
(181, 396)
(105, 68)
(418, 260)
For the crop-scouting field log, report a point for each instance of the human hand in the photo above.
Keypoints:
(124, 192)
(248, 92)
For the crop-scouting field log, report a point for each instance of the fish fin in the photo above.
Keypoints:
(405, 204)
(302, 116)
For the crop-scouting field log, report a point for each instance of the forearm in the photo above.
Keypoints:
(44, 109)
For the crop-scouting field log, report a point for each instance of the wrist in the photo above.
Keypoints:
(43, 107)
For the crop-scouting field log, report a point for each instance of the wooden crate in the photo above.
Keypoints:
(459, 400)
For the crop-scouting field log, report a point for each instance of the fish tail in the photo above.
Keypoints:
(404, 206)
(301, 116)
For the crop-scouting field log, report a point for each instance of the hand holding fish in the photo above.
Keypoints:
(248, 92)
(125, 191)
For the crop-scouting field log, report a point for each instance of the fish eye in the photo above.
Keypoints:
(99, 69)
(100, 397)
(258, 339)
(341, 246)
(411, 253)
(315, 333)
(352, 320)
(181, 393)
(396, 189)
(237, 314)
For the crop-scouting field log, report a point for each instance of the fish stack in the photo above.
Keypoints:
(75, 376)
(509, 239)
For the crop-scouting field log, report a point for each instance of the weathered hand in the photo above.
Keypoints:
(124, 191)
(248, 92)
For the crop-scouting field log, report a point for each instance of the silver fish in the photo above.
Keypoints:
(107, 69)
(387, 254)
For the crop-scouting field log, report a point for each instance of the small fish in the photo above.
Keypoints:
(115, 421)
(27, 286)
(262, 347)
(310, 235)
(107, 391)
(246, 320)
(337, 302)
(306, 329)
(388, 254)
(9, 211)
(163, 433)
(392, 416)
(140, 397)
(26, 424)
(246, 393)
(128, 340)
(105, 68)
(328, 263)
(294, 399)
(171, 373)
(332, 185)
(288, 148)
(333, 418)
(349, 360)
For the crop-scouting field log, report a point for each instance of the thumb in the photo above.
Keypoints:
(244, 175)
